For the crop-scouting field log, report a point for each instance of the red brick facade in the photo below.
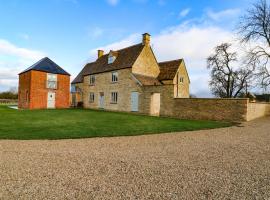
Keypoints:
(33, 93)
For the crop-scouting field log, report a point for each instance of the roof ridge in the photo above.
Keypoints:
(122, 49)
(180, 59)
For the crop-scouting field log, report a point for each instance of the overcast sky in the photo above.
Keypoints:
(70, 32)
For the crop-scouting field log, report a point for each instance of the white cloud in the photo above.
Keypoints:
(8, 48)
(96, 32)
(130, 40)
(14, 59)
(184, 12)
(222, 15)
(113, 2)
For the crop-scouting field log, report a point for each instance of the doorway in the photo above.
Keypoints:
(155, 104)
(101, 100)
(134, 101)
(51, 100)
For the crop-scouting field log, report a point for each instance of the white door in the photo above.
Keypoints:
(155, 104)
(51, 100)
(101, 100)
(134, 101)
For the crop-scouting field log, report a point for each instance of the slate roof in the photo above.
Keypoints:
(168, 69)
(147, 80)
(46, 65)
(125, 59)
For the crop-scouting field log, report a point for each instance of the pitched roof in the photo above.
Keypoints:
(125, 59)
(168, 69)
(46, 65)
(147, 80)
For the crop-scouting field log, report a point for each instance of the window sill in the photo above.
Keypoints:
(113, 103)
(114, 82)
(91, 84)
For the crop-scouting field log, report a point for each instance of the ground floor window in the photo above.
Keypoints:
(114, 97)
(91, 97)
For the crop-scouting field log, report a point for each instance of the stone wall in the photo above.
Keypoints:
(146, 63)
(257, 110)
(210, 109)
(103, 83)
(181, 90)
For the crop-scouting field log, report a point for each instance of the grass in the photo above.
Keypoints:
(78, 123)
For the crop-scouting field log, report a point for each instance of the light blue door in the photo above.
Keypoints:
(134, 101)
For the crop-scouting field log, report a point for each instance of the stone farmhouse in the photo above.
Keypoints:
(44, 85)
(130, 80)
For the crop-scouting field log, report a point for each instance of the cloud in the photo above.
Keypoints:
(8, 48)
(184, 12)
(14, 59)
(222, 15)
(113, 2)
(96, 32)
(130, 40)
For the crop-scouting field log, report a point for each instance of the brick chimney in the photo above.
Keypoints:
(146, 39)
(100, 53)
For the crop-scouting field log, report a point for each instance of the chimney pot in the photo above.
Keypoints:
(146, 39)
(100, 53)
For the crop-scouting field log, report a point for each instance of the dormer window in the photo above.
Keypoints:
(111, 59)
(112, 56)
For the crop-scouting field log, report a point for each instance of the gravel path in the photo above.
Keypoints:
(229, 163)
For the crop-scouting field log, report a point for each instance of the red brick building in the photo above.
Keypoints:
(44, 85)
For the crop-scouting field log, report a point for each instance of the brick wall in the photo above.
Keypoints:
(35, 82)
(24, 90)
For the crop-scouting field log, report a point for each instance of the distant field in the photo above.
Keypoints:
(79, 123)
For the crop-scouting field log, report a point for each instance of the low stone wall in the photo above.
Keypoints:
(257, 110)
(210, 109)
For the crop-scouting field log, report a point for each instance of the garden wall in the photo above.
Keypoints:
(210, 109)
(257, 110)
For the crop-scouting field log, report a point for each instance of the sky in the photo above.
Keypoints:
(70, 32)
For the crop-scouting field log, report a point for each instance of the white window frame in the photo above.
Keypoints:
(111, 59)
(51, 81)
(92, 80)
(114, 77)
(91, 97)
(114, 97)
(181, 79)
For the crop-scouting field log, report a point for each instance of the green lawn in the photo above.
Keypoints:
(78, 123)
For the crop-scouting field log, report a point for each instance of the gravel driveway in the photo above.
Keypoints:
(229, 163)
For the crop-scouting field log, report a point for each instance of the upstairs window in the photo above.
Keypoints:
(92, 97)
(92, 80)
(114, 77)
(51, 81)
(181, 79)
(111, 59)
(114, 97)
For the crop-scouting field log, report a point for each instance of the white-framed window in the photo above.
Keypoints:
(91, 97)
(181, 80)
(51, 81)
(114, 97)
(92, 80)
(114, 77)
(111, 59)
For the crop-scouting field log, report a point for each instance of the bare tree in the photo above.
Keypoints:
(254, 27)
(227, 81)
